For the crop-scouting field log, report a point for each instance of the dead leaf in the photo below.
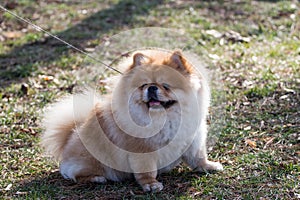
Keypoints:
(250, 143)
(284, 96)
(35, 16)
(12, 34)
(8, 187)
(214, 56)
(196, 194)
(269, 141)
(89, 49)
(235, 37)
(2, 39)
(46, 78)
(214, 33)
(21, 193)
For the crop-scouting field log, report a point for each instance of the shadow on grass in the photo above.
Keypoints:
(22, 60)
(52, 186)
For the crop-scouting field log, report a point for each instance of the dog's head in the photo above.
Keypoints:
(158, 87)
(159, 80)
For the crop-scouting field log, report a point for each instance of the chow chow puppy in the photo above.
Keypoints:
(154, 119)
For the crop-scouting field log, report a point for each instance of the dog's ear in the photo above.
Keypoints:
(140, 59)
(179, 62)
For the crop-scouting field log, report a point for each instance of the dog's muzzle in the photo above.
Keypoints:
(153, 99)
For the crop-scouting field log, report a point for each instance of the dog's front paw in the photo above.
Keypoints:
(210, 166)
(217, 166)
(153, 187)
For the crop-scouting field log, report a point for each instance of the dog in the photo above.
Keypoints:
(154, 118)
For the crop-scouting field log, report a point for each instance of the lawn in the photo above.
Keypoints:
(252, 46)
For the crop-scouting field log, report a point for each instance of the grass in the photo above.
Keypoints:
(258, 141)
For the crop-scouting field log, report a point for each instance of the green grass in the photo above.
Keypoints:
(258, 141)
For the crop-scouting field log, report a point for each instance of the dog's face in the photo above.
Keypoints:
(154, 84)
(158, 83)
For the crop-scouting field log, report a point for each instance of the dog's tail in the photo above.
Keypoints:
(62, 118)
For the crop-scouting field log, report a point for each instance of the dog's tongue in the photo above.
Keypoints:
(154, 103)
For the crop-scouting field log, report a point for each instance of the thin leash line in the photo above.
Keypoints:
(38, 28)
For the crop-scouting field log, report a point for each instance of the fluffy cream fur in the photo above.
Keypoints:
(129, 133)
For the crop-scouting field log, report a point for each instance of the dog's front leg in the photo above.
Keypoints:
(148, 181)
(145, 172)
(196, 156)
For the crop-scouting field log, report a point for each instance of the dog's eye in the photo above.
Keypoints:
(143, 85)
(166, 86)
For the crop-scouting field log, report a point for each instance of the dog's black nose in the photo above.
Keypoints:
(152, 92)
(152, 88)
